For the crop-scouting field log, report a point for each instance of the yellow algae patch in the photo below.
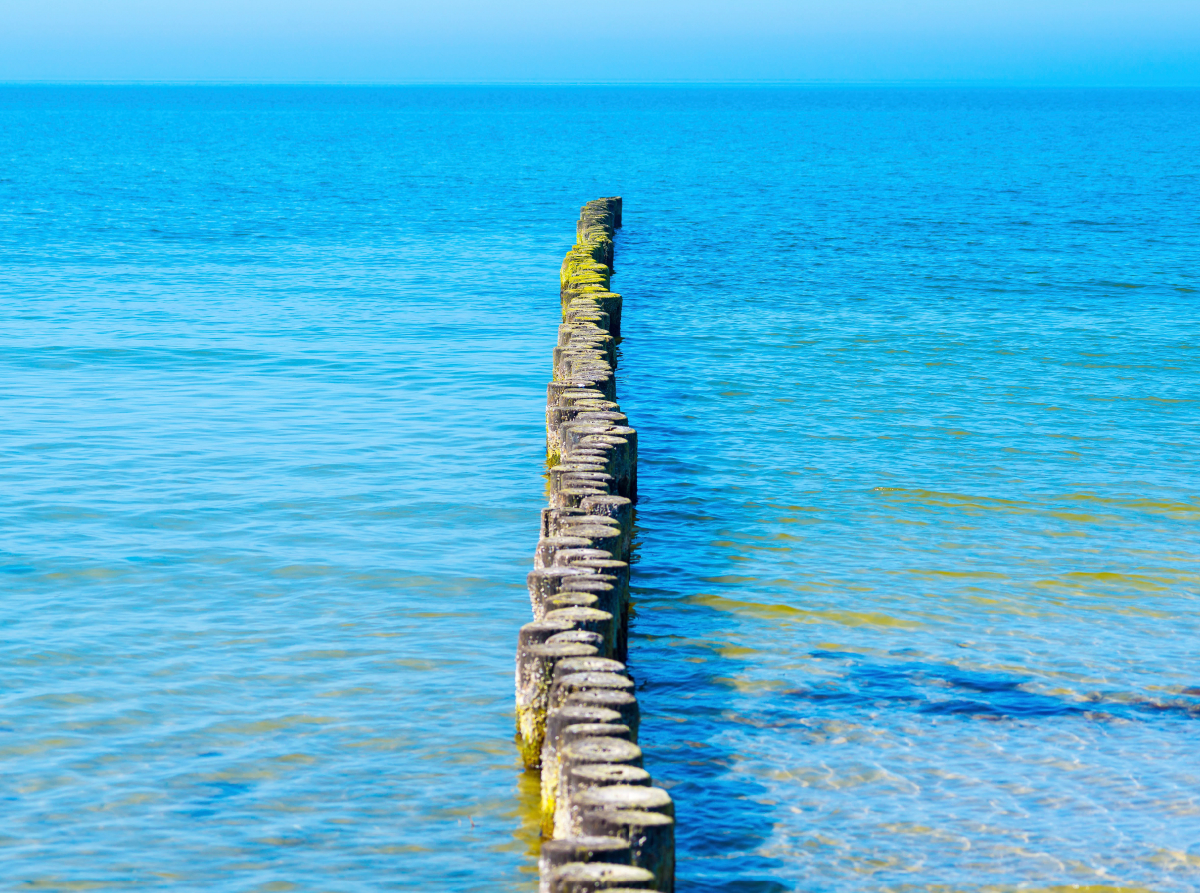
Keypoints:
(1154, 506)
(735, 650)
(88, 573)
(752, 609)
(281, 841)
(730, 544)
(329, 654)
(1175, 860)
(274, 725)
(513, 846)
(849, 649)
(1109, 509)
(816, 586)
(1166, 507)
(966, 575)
(381, 744)
(1088, 888)
(1093, 580)
(750, 686)
(906, 828)
(40, 746)
(64, 699)
(299, 571)
(800, 615)
(1079, 518)
(950, 500)
(297, 758)
(136, 799)
(414, 664)
(1134, 581)
(238, 775)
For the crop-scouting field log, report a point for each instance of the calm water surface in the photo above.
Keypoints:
(915, 374)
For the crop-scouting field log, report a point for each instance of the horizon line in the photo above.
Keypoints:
(729, 82)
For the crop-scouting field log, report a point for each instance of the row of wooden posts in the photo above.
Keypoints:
(608, 827)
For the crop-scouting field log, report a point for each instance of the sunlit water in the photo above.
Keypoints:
(915, 375)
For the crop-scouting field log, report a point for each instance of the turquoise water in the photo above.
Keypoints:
(915, 379)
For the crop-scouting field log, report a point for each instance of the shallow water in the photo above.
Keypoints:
(914, 374)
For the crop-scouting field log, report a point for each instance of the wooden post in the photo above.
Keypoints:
(556, 722)
(651, 836)
(557, 853)
(621, 701)
(535, 672)
(566, 686)
(588, 877)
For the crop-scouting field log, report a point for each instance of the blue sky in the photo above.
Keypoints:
(1085, 42)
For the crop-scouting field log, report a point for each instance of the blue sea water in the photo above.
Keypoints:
(916, 378)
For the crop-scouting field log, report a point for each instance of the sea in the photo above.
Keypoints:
(916, 376)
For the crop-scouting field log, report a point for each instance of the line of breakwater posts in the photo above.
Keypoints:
(577, 711)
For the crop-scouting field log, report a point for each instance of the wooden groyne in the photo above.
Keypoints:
(609, 828)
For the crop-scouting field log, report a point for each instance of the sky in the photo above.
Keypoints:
(1044, 42)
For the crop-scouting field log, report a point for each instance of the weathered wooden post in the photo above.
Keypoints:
(557, 853)
(535, 673)
(650, 834)
(588, 877)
